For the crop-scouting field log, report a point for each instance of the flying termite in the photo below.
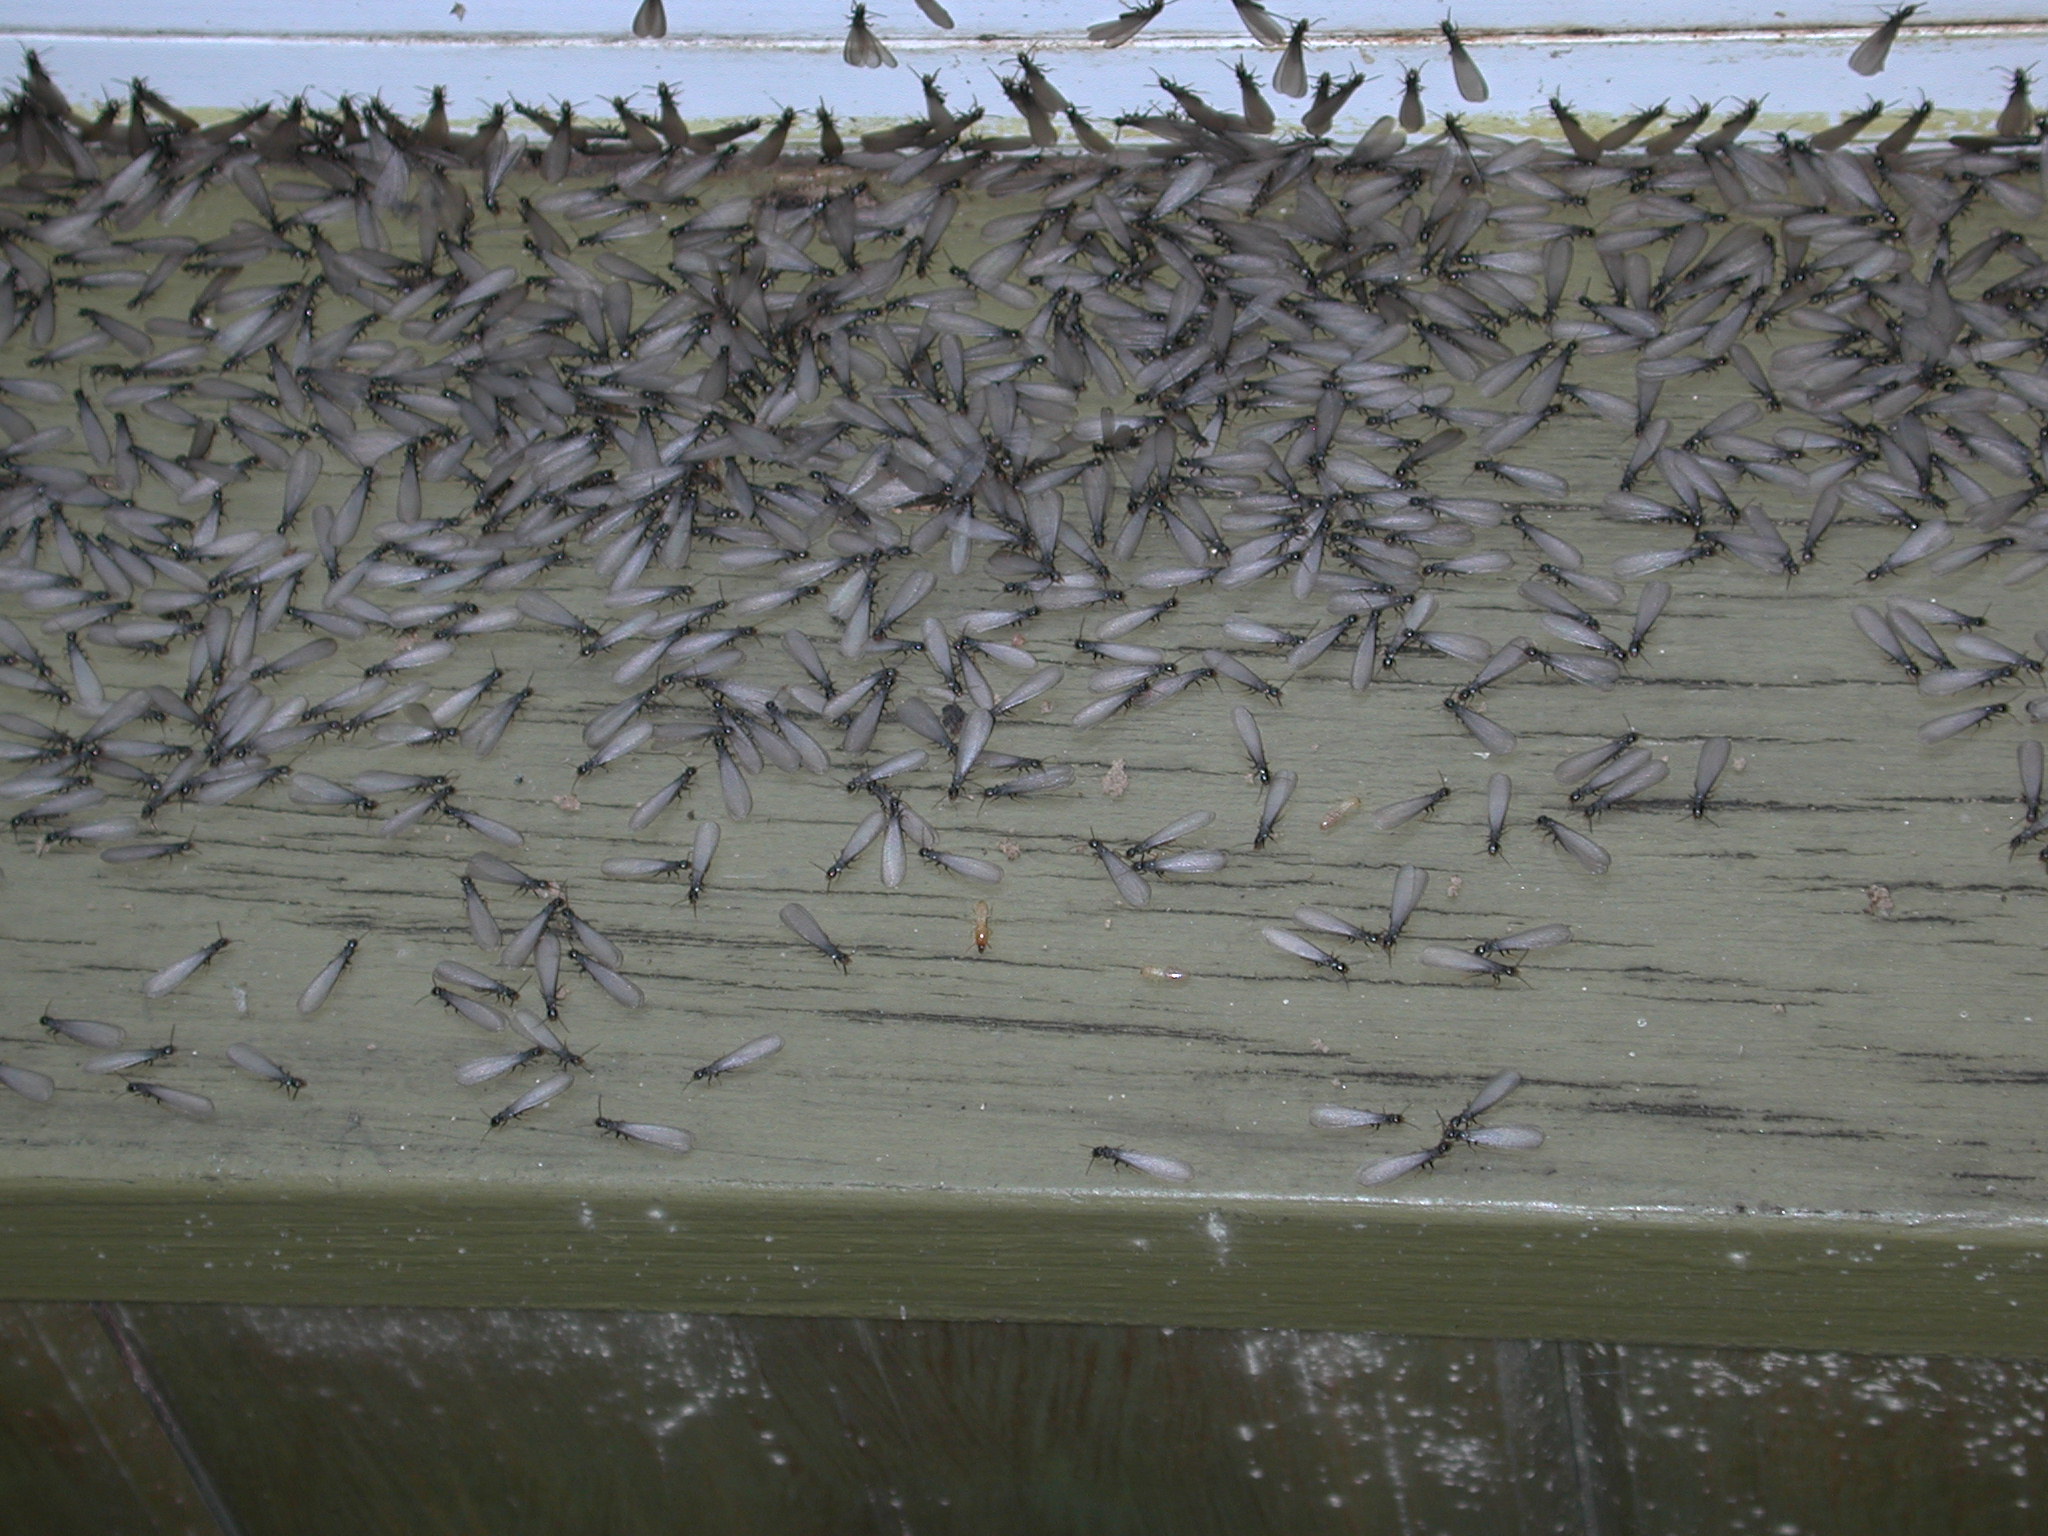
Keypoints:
(742, 1056)
(1172, 1169)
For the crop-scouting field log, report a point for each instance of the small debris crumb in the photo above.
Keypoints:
(569, 802)
(1880, 900)
(1116, 781)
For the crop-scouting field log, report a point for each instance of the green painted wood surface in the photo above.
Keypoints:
(1773, 1116)
(315, 1420)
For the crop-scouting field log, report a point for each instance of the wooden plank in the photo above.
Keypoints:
(1210, 1261)
(79, 1449)
(316, 1419)
(1714, 1435)
(456, 1419)
(1780, 1108)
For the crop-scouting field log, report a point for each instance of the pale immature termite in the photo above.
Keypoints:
(253, 1061)
(981, 923)
(194, 1105)
(1870, 55)
(27, 1082)
(798, 920)
(540, 1093)
(317, 990)
(668, 1137)
(1171, 1169)
(178, 972)
(1340, 813)
(744, 1056)
(1713, 760)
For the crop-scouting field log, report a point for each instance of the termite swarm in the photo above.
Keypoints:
(807, 461)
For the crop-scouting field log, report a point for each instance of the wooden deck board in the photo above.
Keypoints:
(1773, 1115)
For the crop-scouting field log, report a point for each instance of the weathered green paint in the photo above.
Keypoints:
(1737, 1057)
(1798, 1282)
